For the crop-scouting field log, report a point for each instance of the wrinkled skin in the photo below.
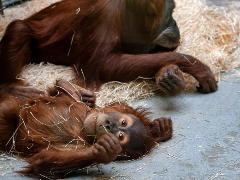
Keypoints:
(148, 27)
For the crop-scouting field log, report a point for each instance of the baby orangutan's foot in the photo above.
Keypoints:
(170, 80)
(161, 129)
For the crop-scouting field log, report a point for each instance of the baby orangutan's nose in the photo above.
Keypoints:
(109, 125)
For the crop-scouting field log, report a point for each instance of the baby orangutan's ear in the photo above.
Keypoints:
(161, 129)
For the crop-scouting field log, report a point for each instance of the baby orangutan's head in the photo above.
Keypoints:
(127, 124)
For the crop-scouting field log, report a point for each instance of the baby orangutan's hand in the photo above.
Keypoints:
(161, 129)
(107, 148)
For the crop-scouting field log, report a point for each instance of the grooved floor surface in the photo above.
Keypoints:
(206, 142)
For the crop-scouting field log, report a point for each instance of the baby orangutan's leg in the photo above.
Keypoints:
(161, 129)
(170, 80)
(76, 92)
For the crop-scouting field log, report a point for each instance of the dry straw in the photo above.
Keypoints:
(209, 33)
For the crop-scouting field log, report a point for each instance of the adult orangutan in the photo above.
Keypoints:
(104, 40)
(59, 134)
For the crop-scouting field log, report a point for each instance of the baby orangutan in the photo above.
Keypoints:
(60, 133)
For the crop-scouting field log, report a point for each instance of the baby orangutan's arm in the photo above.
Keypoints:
(59, 163)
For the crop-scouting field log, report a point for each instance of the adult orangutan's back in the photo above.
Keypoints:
(105, 40)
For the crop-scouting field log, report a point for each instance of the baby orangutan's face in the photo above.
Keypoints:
(126, 127)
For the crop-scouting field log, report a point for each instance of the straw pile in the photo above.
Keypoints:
(209, 33)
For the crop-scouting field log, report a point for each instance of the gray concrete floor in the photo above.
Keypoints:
(205, 145)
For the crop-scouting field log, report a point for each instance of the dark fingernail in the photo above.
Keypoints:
(199, 87)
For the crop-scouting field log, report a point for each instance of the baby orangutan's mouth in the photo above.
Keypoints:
(89, 125)
(102, 129)
(94, 124)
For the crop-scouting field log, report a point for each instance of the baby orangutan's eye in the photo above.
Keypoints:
(121, 136)
(124, 123)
